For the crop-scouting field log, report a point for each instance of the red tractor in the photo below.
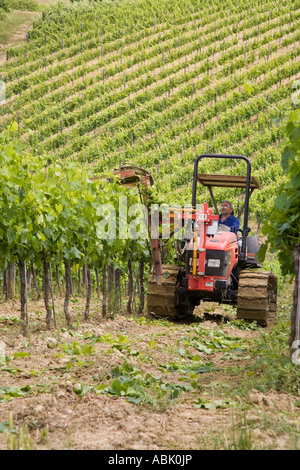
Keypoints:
(214, 263)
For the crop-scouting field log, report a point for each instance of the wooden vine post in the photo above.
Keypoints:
(68, 281)
(141, 286)
(130, 287)
(46, 291)
(104, 290)
(88, 292)
(52, 294)
(10, 281)
(295, 314)
(23, 298)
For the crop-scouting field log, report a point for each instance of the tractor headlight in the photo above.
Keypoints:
(213, 263)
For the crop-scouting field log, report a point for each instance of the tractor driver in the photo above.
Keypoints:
(227, 218)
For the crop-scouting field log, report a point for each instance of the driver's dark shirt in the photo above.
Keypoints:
(232, 222)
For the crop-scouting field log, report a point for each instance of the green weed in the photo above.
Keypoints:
(141, 389)
(239, 436)
(77, 349)
(8, 393)
(208, 404)
(18, 438)
(272, 367)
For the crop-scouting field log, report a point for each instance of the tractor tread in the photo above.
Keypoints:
(257, 297)
(161, 298)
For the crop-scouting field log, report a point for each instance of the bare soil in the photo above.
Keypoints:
(57, 373)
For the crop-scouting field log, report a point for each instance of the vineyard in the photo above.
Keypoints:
(155, 84)
(157, 89)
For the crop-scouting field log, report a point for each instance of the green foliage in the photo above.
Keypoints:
(56, 211)
(8, 393)
(239, 437)
(156, 84)
(208, 404)
(17, 194)
(129, 382)
(24, 5)
(76, 349)
(272, 368)
(150, 83)
(283, 228)
(5, 5)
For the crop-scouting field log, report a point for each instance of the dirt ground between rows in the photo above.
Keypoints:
(52, 416)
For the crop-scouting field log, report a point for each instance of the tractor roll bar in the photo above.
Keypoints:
(247, 195)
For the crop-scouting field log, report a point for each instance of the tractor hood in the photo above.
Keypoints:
(220, 241)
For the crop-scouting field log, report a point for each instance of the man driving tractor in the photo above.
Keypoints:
(227, 218)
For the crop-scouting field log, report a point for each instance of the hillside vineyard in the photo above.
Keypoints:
(156, 84)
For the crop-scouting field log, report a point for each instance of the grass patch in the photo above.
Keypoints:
(14, 26)
(18, 20)
(270, 366)
(273, 368)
